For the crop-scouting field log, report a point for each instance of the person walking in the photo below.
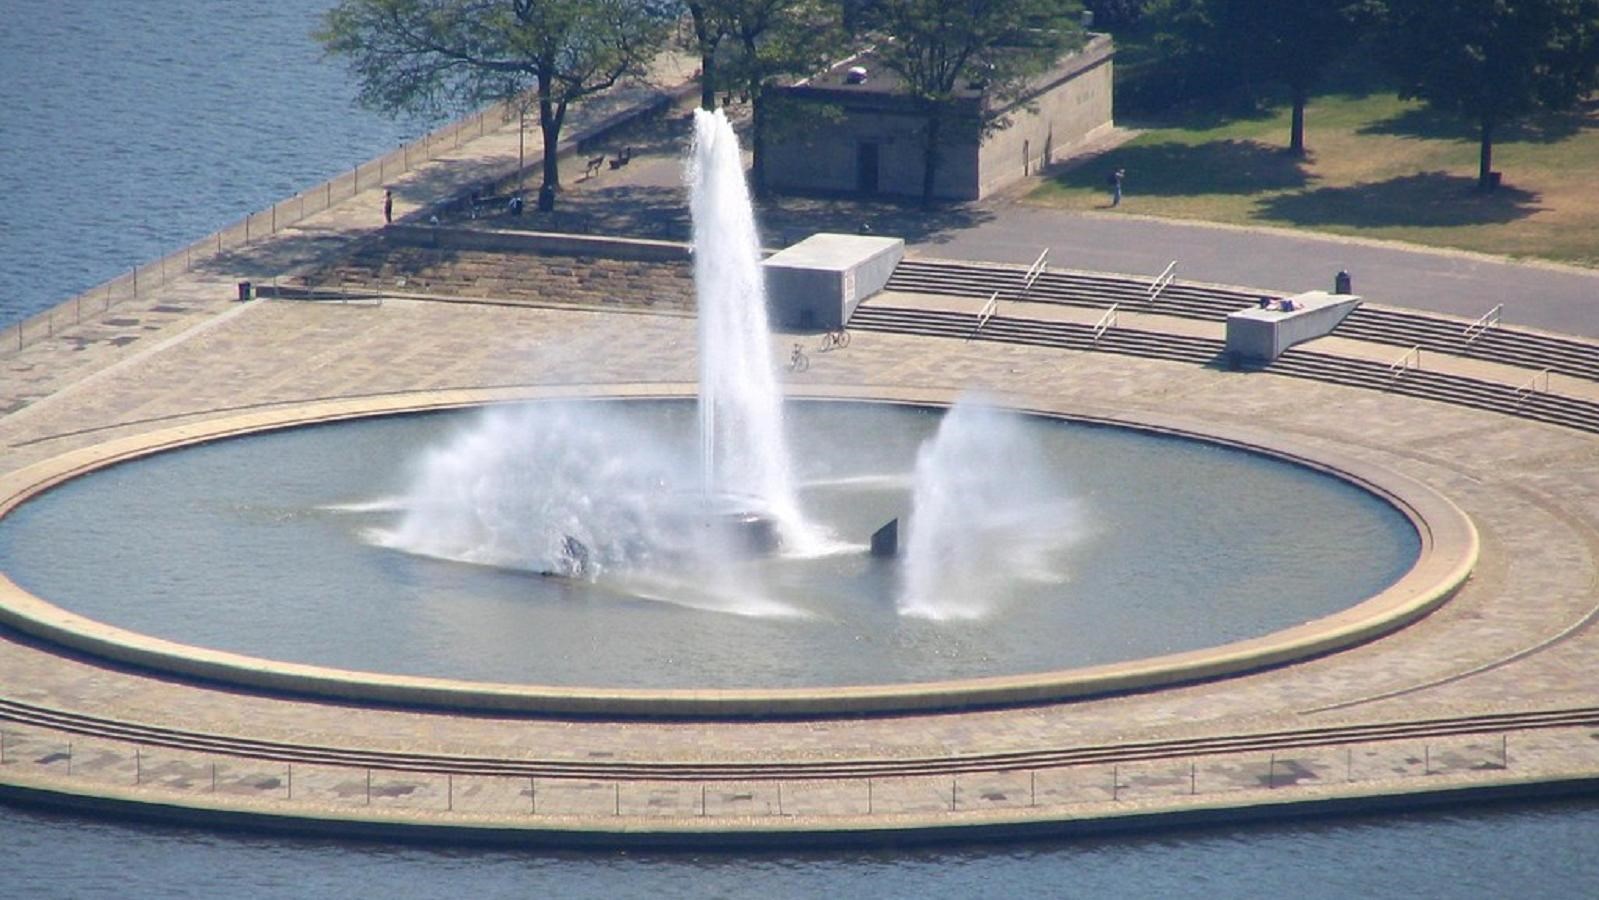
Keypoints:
(388, 206)
(1116, 186)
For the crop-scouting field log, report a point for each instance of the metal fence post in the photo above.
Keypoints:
(1115, 782)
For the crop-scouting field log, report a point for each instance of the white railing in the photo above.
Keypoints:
(1166, 277)
(1531, 387)
(1480, 327)
(1410, 360)
(1033, 271)
(1105, 323)
(986, 313)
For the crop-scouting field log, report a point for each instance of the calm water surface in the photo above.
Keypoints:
(1543, 851)
(131, 128)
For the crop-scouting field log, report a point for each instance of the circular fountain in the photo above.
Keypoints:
(674, 554)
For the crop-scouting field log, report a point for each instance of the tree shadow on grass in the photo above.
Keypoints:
(1429, 123)
(1182, 170)
(1435, 199)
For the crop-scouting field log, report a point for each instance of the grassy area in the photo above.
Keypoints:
(1378, 167)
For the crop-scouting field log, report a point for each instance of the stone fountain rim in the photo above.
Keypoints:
(1448, 553)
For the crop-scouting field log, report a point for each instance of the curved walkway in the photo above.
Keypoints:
(1517, 637)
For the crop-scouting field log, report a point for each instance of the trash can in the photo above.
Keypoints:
(246, 291)
(1341, 283)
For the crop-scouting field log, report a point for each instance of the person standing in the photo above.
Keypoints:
(1116, 186)
(388, 206)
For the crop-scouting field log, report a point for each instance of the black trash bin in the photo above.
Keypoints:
(1342, 283)
(246, 291)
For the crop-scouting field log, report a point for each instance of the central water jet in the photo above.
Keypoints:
(745, 463)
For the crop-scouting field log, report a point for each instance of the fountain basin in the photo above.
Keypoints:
(1447, 547)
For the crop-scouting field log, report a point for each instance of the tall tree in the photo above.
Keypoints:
(709, 31)
(1290, 42)
(939, 48)
(1494, 61)
(773, 38)
(427, 55)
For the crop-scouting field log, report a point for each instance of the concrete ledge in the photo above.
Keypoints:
(536, 242)
(1449, 548)
(818, 282)
(787, 832)
(1261, 334)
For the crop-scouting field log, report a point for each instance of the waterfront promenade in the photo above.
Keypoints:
(1518, 638)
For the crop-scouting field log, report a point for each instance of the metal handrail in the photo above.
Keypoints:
(1490, 319)
(986, 313)
(1410, 359)
(1033, 271)
(1105, 322)
(1531, 387)
(1166, 277)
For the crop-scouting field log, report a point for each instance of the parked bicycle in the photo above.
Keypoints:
(798, 361)
(835, 340)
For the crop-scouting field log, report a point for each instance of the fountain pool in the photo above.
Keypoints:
(274, 546)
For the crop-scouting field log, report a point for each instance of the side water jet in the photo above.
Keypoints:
(986, 512)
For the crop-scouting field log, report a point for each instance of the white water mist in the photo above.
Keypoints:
(741, 405)
(986, 512)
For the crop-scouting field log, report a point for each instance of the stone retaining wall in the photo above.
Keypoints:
(518, 267)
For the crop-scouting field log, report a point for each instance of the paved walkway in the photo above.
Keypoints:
(1519, 636)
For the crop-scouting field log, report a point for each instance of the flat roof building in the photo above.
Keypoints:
(872, 141)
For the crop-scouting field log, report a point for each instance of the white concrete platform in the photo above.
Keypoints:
(1261, 334)
(818, 282)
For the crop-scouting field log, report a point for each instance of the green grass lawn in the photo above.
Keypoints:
(1378, 167)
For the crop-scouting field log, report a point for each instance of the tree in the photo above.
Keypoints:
(773, 38)
(939, 48)
(426, 55)
(1494, 61)
(1289, 42)
(709, 30)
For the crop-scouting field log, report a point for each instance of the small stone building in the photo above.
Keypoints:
(867, 135)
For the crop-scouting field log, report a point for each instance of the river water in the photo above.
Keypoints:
(129, 128)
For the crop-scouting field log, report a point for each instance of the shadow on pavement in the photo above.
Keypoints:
(1425, 199)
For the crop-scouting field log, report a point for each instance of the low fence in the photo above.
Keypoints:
(255, 226)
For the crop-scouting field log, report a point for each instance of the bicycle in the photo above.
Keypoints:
(798, 361)
(835, 340)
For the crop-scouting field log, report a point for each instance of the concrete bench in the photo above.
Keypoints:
(1262, 333)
